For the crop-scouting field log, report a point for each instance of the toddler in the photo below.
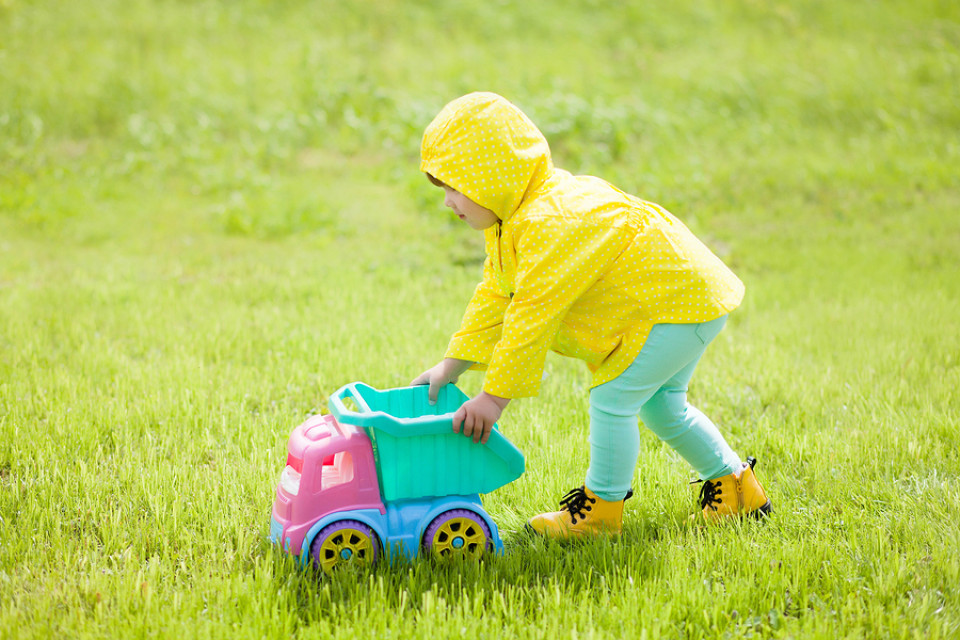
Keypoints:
(577, 266)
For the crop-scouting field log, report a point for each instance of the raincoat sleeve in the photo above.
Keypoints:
(557, 261)
(482, 322)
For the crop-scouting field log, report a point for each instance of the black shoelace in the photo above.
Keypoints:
(709, 494)
(576, 503)
(710, 491)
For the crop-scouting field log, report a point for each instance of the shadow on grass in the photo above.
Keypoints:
(530, 568)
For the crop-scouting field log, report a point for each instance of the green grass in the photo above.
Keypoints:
(211, 218)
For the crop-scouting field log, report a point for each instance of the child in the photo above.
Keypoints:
(577, 266)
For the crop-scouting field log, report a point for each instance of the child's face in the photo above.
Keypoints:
(469, 211)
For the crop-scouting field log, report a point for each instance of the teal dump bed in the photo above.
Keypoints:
(416, 451)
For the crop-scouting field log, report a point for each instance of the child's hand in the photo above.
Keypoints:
(446, 371)
(478, 416)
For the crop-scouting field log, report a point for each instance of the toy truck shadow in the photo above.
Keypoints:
(389, 479)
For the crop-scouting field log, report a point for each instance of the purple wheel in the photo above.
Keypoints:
(457, 532)
(344, 542)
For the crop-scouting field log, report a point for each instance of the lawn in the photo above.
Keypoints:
(211, 218)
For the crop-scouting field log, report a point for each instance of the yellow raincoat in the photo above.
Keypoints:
(574, 265)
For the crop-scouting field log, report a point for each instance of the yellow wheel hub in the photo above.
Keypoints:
(459, 536)
(346, 546)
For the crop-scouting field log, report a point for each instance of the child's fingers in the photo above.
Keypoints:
(468, 425)
(480, 433)
(486, 433)
(433, 392)
(458, 419)
(477, 432)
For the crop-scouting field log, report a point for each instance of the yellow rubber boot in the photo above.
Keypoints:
(731, 496)
(582, 513)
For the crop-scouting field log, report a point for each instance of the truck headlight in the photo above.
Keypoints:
(290, 480)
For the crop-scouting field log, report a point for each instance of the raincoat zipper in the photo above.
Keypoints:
(501, 276)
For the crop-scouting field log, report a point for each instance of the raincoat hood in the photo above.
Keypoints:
(488, 150)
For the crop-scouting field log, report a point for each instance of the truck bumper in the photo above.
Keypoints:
(276, 531)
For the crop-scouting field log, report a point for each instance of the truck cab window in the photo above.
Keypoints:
(335, 470)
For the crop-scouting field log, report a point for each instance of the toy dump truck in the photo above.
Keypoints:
(389, 478)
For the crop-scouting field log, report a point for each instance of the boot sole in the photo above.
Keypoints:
(763, 511)
(599, 535)
(759, 513)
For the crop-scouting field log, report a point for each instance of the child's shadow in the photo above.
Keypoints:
(532, 560)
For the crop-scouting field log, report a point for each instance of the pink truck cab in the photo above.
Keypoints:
(330, 468)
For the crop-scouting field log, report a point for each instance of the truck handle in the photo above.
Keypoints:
(348, 391)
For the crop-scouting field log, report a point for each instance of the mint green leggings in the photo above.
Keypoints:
(654, 387)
